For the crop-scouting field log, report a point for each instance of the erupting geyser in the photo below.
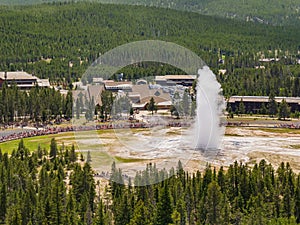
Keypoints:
(210, 107)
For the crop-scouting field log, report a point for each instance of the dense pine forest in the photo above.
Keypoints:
(54, 186)
(39, 104)
(279, 12)
(59, 41)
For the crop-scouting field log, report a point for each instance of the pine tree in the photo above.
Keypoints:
(122, 211)
(180, 212)
(77, 109)
(263, 109)
(297, 200)
(193, 109)
(73, 156)
(288, 204)
(88, 157)
(53, 148)
(3, 199)
(151, 106)
(99, 217)
(242, 107)
(185, 104)
(22, 151)
(69, 105)
(71, 209)
(213, 206)
(14, 216)
(140, 216)
(272, 105)
(175, 217)
(284, 110)
(164, 209)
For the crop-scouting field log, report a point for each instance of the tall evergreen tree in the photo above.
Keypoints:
(151, 106)
(284, 110)
(140, 216)
(164, 209)
(53, 148)
(272, 105)
(213, 203)
(242, 109)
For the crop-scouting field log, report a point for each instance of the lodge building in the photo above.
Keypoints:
(172, 80)
(254, 103)
(22, 79)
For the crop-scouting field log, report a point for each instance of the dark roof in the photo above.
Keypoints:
(265, 99)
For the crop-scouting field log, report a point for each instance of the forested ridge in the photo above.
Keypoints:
(275, 12)
(55, 186)
(43, 39)
(264, 11)
(59, 41)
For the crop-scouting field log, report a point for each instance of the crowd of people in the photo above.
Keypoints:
(290, 126)
(25, 132)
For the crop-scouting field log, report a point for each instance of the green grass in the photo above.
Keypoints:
(67, 138)
(128, 160)
(32, 143)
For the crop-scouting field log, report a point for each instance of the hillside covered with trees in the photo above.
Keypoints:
(54, 186)
(59, 41)
(276, 12)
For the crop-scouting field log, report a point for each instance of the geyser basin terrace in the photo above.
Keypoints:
(242, 144)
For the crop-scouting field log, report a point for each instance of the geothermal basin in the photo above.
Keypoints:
(133, 149)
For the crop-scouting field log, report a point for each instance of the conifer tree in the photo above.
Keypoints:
(140, 216)
(152, 107)
(164, 209)
(297, 200)
(242, 107)
(284, 110)
(272, 105)
(53, 148)
(99, 217)
(213, 203)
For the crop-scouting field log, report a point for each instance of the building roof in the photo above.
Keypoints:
(166, 103)
(134, 94)
(23, 79)
(112, 85)
(265, 99)
(145, 93)
(95, 91)
(97, 79)
(176, 77)
(139, 105)
(17, 75)
(77, 93)
(43, 82)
